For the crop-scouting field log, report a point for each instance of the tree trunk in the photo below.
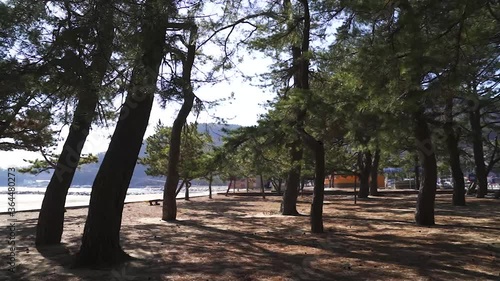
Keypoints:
(49, 228)
(477, 145)
(289, 202)
(364, 164)
(179, 188)
(374, 174)
(210, 179)
(229, 185)
(424, 214)
(300, 67)
(454, 152)
(186, 194)
(101, 236)
(319, 189)
(417, 172)
(169, 202)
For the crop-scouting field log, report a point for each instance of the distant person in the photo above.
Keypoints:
(268, 184)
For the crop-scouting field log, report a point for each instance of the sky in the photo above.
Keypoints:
(244, 110)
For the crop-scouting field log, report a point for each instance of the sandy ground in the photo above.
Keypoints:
(26, 202)
(245, 238)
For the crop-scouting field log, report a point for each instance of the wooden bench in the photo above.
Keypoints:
(155, 202)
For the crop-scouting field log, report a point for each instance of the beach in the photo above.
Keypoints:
(30, 198)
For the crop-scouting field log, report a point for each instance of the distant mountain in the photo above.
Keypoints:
(86, 174)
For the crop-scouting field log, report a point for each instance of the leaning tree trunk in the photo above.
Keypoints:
(101, 237)
(169, 202)
(424, 214)
(316, 215)
(477, 145)
(364, 164)
(454, 152)
(289, 202)
(50, 224)
(374, 173)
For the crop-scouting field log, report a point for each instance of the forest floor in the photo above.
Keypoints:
(245, 238)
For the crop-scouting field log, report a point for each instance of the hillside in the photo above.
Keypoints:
(86, 174)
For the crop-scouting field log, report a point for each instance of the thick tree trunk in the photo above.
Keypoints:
(454, 153)
(319, 189)
(289, 202)
(477, 145)
(49, 228)
(424, 214)
(51, 217)
(101, 236)
(374, 174)
(364, 164)
(417, 172)
(170, 204)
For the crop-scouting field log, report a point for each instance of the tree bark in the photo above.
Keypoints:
(101, 237)
(424, 214)
(477, 145)
(170, 204)
(289, 202)
(319, 189)
(454, 153)
(417, 172)
(364, 165)
(50, 224)
(374, 173)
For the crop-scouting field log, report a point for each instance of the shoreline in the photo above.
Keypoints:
(31, 200)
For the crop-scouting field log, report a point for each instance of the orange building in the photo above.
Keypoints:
(348, 181)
